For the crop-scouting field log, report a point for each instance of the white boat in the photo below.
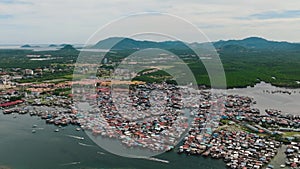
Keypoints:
(33, 131)
(100, 153)
(56, 130)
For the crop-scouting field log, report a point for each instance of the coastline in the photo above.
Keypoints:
(203, 86)
(232, 98)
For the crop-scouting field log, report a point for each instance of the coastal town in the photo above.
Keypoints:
(147, 84)
(157, 117)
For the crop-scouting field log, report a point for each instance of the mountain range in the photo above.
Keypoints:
(250, 43)
(119, 43)
(256, 43)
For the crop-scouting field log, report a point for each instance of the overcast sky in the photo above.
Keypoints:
(74, 21)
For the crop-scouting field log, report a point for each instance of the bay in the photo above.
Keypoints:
(46, 149)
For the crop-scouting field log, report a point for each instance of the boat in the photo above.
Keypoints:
(33, 131)
(101, 153)
(56, 130)
(78, 129)
(34, 126)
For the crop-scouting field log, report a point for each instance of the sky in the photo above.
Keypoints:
(75, 21)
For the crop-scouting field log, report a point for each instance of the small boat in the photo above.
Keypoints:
(78, 129)
(56, 130)
(101, 153)
(34, 126)
(282, 165)
(33, 131)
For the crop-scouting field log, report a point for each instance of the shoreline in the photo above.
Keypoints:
(136, 134)
(203, 86)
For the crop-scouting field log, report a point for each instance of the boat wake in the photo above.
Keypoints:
(37, 128)
(76, 137)
(72, 163)
(153, 159)
(86, 145)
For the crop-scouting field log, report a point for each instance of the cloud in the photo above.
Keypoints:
(14, 2)
(50, 21)
(275, 15)
(4, 16)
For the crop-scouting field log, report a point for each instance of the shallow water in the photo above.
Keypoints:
(280, 101)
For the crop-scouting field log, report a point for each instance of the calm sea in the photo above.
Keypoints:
(46, 149)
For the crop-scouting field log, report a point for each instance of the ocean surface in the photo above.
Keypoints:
(46, 149)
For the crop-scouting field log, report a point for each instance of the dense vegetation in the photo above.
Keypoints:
(245, 62)
(10, 58)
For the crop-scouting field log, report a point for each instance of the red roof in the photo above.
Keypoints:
(92, 96)
(11, 103)
(103, 89)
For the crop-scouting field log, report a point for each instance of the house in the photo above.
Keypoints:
(8, 104)
(28, 72)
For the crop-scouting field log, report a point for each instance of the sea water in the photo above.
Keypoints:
(46, 149)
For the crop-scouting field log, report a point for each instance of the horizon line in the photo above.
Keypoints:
(78, 43)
